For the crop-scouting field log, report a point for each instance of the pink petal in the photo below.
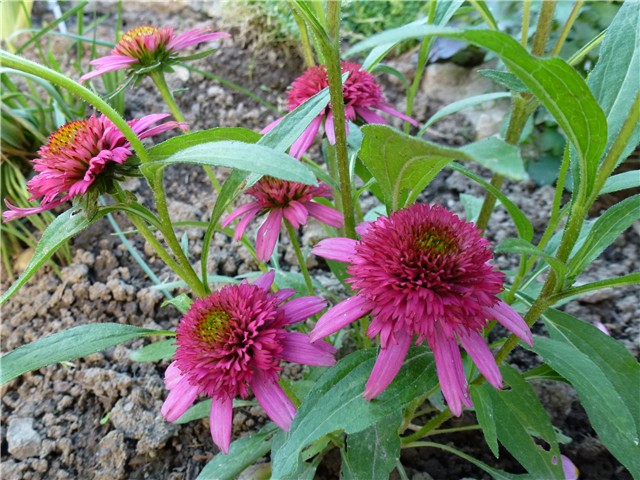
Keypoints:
(361, 228)
(244, 222)
(296, 214)
(271, 126)
(139, 125)
(172, 376)
(302, 144)
(450, 371)
(325, 214)
(301, 308)
(16, 212)
(238, 212)
(221, 422)
(340, 316)
(265, 281)
(284, 294)
(338, 249)
(267, 235)
(511, 320)
(194, 37)
(600, 326)
(477, 348)
(330, 129)
(297, 349)
(569, 469)
(370, 116)
(388, 109)
(180, 398)
(273, 400)
(163, 128)
(387, 365)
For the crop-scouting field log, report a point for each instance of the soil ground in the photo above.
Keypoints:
(98, 417)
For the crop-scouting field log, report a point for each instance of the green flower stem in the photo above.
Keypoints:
(454, 430)
(293, 236)
(544, 27)
(307, 49)
(161, 84)
(567, 27)
(526, 10)
(334, 72)
(431, 425)
(18, 63)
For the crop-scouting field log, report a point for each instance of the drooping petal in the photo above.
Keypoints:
(158, 129)
(340, 316)
(271, 126)
(296, 214)
(569, 469)
(139, 125)
(450, 371)
(387, 108)
(273, 400)
(267, 235)
(338, 249)
(221, 422)
(325, 214)
(16, 212)
(301, 308)
(297, 349)
(238, 212)
(370, 116)
(329, 128)
(477, 348)
(179, 400)
(302, 144)
(194, 37)
(266, 280)
(511, 320)
(172, 376)
(387, 365)
(244, 221)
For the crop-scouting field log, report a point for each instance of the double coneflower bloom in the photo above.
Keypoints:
(234, 339)
(422, 275)
(147, 48)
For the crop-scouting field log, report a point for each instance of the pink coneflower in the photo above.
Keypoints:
(362, 96)
(422, 272)
(80, 153)
(146, 48)
(235, 339)
(280, 200)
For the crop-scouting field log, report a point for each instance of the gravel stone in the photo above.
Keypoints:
(23, 440)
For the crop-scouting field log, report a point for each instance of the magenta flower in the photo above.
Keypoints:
(235, 339)
(80, 153)
(281, 200)
(362, 96)
(422, 272)
(146, 48)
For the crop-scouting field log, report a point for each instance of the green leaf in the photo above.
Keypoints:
(518, 415)
(336, 402)
(234, 154)
(73, 343)
(498, 156)
(485, 13)
(373, 453)
(243, 453)
(484, 413)
(606, 377)
(203, 409)
(472, 206)
(506, 79)
(523, 224)
(461, 105)
(182, 302)
(622, 181)
(522, 247)
(614, 80)
(162, 350)
(556, 85)
(65, 226)
(400, 162)
(175, 144)
(605, 230)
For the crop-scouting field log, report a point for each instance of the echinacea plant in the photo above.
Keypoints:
(420, 311)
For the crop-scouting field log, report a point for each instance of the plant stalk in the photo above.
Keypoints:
(301, 260)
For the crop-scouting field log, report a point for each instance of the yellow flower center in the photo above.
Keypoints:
(436, 241)
(65, 135)
(138, 32)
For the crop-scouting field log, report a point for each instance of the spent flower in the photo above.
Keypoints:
(281, 200)
(147, 48)
(362, 97)
(422, 273)
(81, 154)
(235, 339)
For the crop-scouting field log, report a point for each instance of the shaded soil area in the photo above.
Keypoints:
(99, 417)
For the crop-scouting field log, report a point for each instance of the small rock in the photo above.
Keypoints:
(111, 456)
(23, 440)
(147, 300)
(74, 273)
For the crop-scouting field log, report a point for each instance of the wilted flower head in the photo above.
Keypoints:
(80, 153)
(235, 339)
(280, 199)
(362, 96)
(422, 272)
(146, 48)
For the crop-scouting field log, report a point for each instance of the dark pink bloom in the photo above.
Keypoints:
(149, 47)
(78, 154)
(423, 273)
(235, 339)
(280, 200)
(362, 97)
